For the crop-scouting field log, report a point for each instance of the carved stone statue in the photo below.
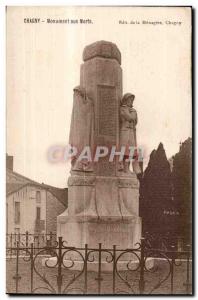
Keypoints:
(128, 122)
(82, 128)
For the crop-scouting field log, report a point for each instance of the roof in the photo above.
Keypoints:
(15, 182)
(60, 193)
(13, 187)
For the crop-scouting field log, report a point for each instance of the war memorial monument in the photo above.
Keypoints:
(103, 194)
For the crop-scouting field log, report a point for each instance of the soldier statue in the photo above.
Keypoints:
(128, 122)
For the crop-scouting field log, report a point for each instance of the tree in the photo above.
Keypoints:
(182, 186)
(156, 193)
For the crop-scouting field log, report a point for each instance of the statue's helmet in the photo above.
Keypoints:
(125, 97)
(80, 90)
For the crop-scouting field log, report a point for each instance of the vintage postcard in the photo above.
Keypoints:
(99, 150)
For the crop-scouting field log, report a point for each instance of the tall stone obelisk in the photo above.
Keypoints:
(103, 205)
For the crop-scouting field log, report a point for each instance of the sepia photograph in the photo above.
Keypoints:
(99, 150)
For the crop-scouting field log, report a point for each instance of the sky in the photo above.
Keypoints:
(43, 67)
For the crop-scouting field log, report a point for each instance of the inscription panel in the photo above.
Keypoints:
(107, 126)
(106, 168)
(109, 234)
(107, 111)
(109, 228)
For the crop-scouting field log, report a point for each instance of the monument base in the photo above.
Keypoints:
(123, 232)
(102, 210)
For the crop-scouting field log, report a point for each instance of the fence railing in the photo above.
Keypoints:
(166, 241)
(26, 239)
(59, 269)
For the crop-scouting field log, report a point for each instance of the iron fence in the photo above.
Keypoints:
(26, 239)
(166, 241)
(59, 269)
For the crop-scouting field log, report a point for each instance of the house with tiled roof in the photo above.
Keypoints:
(31, 206)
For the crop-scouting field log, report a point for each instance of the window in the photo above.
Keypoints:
(17, 212)
(38, 196)
(38, 213)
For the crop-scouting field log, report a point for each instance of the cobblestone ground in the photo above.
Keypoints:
(151, 279)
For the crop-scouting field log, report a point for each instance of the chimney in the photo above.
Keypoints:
(9, 162)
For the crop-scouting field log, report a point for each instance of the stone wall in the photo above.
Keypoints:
(53, 208)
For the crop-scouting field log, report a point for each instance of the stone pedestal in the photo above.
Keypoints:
(101, 210)
(103, 205)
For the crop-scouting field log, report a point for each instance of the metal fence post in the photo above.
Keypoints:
(17, 277)
(172, 269)
(187, 283)
(51, 237)
(59, 276)
(141, 281)
(32, 267)
(114, 267)
(19, 238)
(11, 244)
(99, 278)
(85, 270)
(38, 244)
(34, 238)
(43, 239)
(15, 242)
(26, 241)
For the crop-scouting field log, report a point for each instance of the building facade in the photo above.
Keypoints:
(31, 206)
